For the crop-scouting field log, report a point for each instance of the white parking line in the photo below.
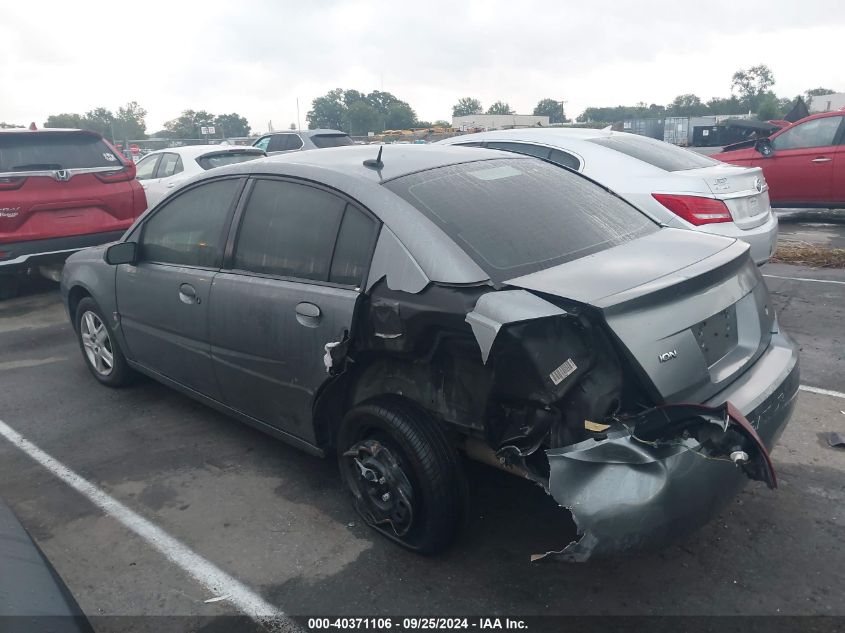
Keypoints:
(214, 579)
(821, 281)
(822, 392)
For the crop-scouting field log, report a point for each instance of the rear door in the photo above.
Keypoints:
(292, 286)
(162, 300)
(169, 164)
(801, 168)
(62, 183)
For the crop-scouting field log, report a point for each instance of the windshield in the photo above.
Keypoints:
(21, 151)
(657, 153)
(227, 158)
(331, 140)
(519, 215)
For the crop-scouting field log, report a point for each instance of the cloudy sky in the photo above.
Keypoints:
(257, 57)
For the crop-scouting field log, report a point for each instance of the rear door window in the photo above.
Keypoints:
(145, 168)
(288, 230)
(528, 149)
(515, 216)
(169, 165)
(355, 243)
(190, 229)
(262, 143)
(331, 140)
(564, 159)
(33, 151)
(656, 153)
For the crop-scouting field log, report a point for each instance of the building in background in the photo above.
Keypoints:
(497, 121)
(827, 103)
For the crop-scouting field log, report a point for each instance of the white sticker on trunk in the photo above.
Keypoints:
(560, 374)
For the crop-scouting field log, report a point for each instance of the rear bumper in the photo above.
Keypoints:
(762, 239)
(23, 254)
(628, 495)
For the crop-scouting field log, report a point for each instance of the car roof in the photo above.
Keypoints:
(348, 161)
(317, 132)
(538, 135)
(47, 130)
(195, 151)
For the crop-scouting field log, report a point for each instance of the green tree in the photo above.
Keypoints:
(400, 116)
(768, 107)
(382, 101)
(361, 118)
(729, 105)
(752, 84)
(231, 125)
(99, 120)
(422, 124)
(66, 119)
(686, 105)
(188, 124)
(327, 111)
(129, 122)
(466, 106)
(441, 123)
(552, 109)
(500, 107)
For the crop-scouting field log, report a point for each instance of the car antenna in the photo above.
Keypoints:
(377, 163)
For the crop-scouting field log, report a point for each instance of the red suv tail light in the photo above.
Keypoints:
(127, 172)
(695, 209)
(11, 182)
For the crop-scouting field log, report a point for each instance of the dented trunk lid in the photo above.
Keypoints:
(690, 310)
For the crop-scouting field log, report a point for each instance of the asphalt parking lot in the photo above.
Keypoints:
(278, 521)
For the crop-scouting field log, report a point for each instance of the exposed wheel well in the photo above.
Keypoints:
(76, 294)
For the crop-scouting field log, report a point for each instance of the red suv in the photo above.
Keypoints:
(804, 164)
(61, 191)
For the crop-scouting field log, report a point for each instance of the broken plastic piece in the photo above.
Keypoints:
(595, 426)
(836, 439)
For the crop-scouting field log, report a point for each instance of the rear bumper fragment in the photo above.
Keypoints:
(22, 254)
(647, 483)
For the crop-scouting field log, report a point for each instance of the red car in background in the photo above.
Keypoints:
(61, 191)
(804, 164)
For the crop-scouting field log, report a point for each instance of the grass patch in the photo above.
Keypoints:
(809, 255)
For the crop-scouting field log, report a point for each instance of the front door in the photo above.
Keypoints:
(293, 286)
(163, 299)
(801, 168)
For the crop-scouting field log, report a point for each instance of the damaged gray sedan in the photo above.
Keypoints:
(401, 306)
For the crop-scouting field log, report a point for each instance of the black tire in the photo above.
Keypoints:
(119, 374)
(426, 458)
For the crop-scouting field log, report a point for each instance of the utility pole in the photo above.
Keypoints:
(298, 121)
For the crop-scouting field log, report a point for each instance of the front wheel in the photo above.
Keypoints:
(404, 476)
(100, 350)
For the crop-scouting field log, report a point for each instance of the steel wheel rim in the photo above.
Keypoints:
(96, 343)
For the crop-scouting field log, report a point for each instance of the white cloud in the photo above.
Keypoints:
(257, 57)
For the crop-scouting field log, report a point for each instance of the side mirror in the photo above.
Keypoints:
(764, 146)
(122, 253)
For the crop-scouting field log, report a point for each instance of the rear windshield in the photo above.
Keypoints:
(331, 140)
(657, 153)
(227, 158)
(22, 151)
(514, 216)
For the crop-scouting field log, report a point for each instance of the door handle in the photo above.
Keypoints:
(188, 294)
(308, 314)
(821, 159)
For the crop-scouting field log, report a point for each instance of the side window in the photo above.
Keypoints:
(815, 133)
(145, 168)
(263, 143)
(168, 165)
(288, 230)
(277, 143)
(354, 246)
(520, 148)
(564, 159)
(190, 229)
(292, 141)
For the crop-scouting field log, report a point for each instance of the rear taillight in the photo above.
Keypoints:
(127, 172)
(695, 209)
(12, 182)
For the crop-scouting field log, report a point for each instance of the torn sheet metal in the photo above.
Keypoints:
(655, 476)
(393, 262)
(495, 309)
